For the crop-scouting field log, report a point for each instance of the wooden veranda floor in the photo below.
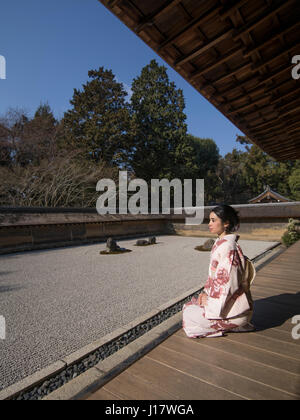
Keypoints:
(264, 364)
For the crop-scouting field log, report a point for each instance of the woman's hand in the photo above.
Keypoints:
(202, 300)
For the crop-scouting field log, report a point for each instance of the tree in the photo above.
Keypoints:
(26, 141)
(98, 123)
(13, 125)
(232, 187)
(5, 147)
(64, 181)
(161, 148)
(39, 138)
(206, 157)
(260, 169)
(294, 182)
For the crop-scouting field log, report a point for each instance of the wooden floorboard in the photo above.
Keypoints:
(280, 335)
(276, 289)
(265, 292)
(184, 385)
(288, 284)
(253, 353)
(264, 364)
(104, 395)
(265, 280)
(268, 344)
(134, 387)
(227, 379)
(238, 364)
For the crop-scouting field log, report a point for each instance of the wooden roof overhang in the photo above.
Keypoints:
(237, 54)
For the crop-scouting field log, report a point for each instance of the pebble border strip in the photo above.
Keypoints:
(71, 372)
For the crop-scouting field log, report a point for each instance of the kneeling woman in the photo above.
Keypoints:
(224, 305)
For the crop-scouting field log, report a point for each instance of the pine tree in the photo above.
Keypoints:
(161, 148)
(40, 137)
(99, 120)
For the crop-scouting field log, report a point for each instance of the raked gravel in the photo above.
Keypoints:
(58, 301)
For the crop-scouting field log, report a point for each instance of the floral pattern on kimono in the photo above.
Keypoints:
(227, 304)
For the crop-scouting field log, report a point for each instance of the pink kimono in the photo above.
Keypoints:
(228, 306)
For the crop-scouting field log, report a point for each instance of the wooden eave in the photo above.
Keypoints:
(237, 54)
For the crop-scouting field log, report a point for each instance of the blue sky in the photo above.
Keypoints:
(50, 46)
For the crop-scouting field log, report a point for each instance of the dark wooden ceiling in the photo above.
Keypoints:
(237, 54)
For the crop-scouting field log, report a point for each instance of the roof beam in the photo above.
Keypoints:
(157, 13)
(290, 146)
(226, 76)
(260, 65)
(248, 52)
(259, 125)
(189, 27)
(279, 98)
(259, 130)
(243, 96)
(242, 85)
(282, 125)
(227, 11)
(225, 58)
(201, 50)
(270, 135)
(262, 132)
(258, 114)
(261, 109)
(288, 138)
(270, 12)
(293, 130)
(275, 74)
(113, 3)
(272, 145)
(291, 111)
(292, 103)
(290, 156)
(245, 107)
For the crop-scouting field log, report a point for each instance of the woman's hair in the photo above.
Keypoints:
(228, 214)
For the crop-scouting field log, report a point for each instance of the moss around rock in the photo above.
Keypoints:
(144, 242)
(121, 251)
(113, 248)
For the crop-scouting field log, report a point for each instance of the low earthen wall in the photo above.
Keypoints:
(24, 229)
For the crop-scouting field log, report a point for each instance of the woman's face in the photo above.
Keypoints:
(216, 226)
